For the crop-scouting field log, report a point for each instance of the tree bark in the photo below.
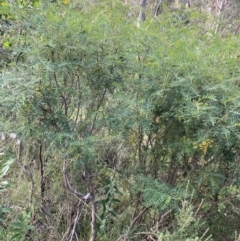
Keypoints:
(142, 15)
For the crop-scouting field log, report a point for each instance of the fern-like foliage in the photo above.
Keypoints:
(160, 194)
(187, 226)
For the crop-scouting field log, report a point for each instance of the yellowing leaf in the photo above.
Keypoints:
(4, 4)
(6, 44)
(205, 145)
(66, 2)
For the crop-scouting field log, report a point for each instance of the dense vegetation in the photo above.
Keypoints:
(116, 125)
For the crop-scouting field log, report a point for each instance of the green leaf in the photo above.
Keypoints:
(6, 167)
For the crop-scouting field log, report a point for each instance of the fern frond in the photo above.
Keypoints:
(160, 194)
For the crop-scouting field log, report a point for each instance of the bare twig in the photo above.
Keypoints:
(164, 215)
(55, 79)
(89, 197)
(138, 217)
(80, 207)
(93, 204)
(80, 196)
(157, 8)
(28, 173)
(220, 5)
(148, 234)
(100, 101)
(42, 174)
(94, 223)
(46, 211)
(65, 104)
(78, 105)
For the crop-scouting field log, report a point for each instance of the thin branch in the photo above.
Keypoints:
(55, 79)
(89, 197)
(157, 8)
(220, 5)
(94, 221)
(233, 197)
(93, 204)
(188, 4)
(42, 174)
(164, 215)
(65, 104)
(76, 237)
(138, 217)
(82, 197)
(28, 173)
(142, 15)
(98, 107)
(46, 211)
(78, 105)
(80, 207)
(149, 235)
